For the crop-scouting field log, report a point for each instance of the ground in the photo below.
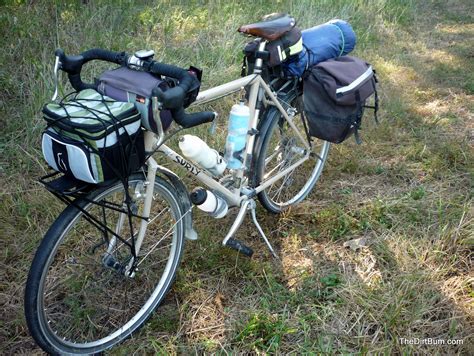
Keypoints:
(406, 192)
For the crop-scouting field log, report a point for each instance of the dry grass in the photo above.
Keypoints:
(407, 191)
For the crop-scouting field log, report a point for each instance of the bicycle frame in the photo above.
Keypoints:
(238, 194)
(235, 197)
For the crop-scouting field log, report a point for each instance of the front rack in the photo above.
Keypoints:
(61, 185)
(73, 192)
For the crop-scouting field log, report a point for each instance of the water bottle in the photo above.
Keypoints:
(209, 202)
(199, 152)
(235, 144)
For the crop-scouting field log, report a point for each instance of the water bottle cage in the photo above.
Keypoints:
(253, 132)
(238, 155)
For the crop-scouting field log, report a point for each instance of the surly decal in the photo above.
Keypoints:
(186, 165)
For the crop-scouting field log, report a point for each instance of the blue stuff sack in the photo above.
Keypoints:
(330, 40)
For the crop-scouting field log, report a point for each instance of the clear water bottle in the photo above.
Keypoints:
(209, 202)
(200, 153)
(235, 144)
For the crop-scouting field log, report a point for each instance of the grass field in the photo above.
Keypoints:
(407, 190)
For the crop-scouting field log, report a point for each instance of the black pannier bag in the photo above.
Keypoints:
(334, 96)
(93, 138)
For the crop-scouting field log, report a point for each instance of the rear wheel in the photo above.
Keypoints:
(78, 298)
(281, 148)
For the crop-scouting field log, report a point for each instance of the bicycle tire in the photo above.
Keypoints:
(74, 303)
(273, 139)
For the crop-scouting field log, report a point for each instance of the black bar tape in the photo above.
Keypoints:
(104, 55)
(172, 98)
(77, 83)
(193, 119)
(73, 64)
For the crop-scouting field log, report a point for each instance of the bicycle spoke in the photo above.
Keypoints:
(291, 140)
(273, 170)
(275, 153)
(138, 231)
(166, 235)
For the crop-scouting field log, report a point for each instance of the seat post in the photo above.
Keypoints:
(258, 63)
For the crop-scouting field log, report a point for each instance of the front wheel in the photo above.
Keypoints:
(280, 148)
(78, 297)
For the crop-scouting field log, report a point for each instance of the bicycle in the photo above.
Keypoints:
(89, 287)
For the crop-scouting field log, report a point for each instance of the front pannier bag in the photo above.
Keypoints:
(334, 95)
(93, 138)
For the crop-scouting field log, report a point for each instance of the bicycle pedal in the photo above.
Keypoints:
(239, 246)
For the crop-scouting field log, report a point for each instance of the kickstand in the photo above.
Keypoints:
(252, 208)
(238, 245)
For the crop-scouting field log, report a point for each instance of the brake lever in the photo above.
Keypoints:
(57, 65)
(212, 129)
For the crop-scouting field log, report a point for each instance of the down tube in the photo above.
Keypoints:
(199, 174)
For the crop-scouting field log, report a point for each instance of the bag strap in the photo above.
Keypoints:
(243, 72)
(376, 104)
(305, 125)
(375, 107)
(358, 118)
(310, 53)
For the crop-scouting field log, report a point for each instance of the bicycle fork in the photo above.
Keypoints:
(108, 259)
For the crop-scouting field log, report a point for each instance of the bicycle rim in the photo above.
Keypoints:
(282, 148)
(85, 302)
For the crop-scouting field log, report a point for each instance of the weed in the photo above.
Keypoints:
(263, 332)
(418, 193)
(407, 189)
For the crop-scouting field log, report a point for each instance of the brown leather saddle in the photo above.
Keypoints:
(271, 28)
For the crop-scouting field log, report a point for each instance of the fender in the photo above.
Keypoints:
(183, 199)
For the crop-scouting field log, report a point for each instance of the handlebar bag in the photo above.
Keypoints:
(334, 95)
(124, 84)
(92, 137)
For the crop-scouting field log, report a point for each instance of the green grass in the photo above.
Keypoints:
(407, 190)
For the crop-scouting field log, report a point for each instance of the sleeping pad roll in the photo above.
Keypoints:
(329, 40)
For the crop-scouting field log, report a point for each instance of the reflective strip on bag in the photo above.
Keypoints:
(281, 54)
(367, 74)
(297, 47)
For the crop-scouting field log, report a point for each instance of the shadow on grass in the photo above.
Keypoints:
(319, 297)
